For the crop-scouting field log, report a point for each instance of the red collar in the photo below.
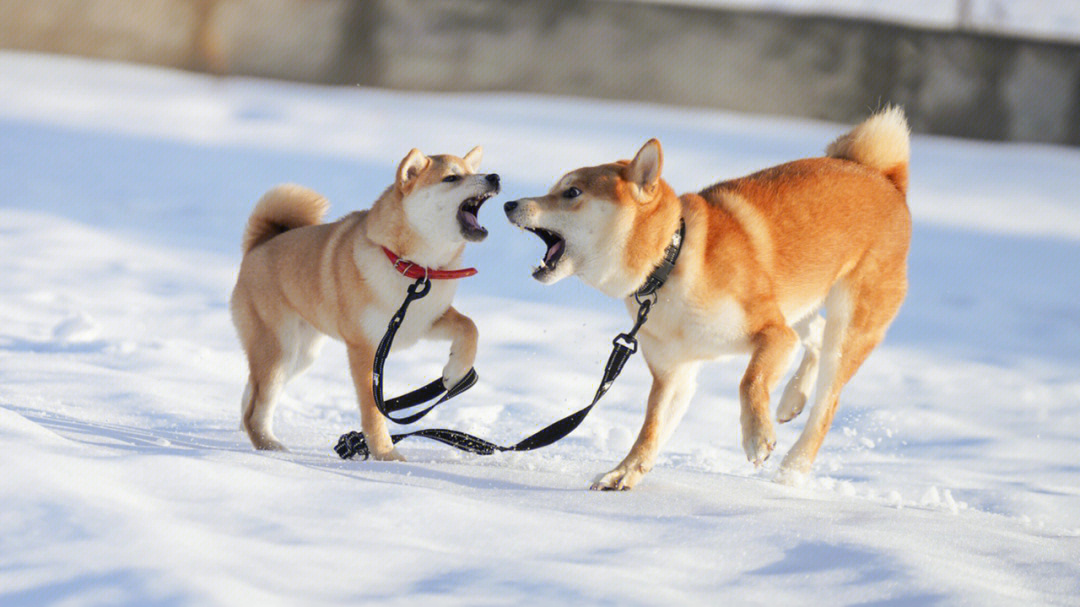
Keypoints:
(411, 270)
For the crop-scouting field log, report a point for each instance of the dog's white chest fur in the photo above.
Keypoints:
(421, 314)
(689, 330)
(390, 287)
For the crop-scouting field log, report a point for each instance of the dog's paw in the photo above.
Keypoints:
(453, 373)
(759, 440)
(393, 455)
(792, 477)
(622, 478)
(268, 443)
(791, 404)
(795, 468)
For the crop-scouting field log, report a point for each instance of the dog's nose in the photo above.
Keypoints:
(510, 206)
(493, 179)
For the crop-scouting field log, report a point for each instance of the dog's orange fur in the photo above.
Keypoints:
(762, 254)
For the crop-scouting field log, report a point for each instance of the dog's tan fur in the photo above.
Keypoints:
(762, 255)
(301, 279)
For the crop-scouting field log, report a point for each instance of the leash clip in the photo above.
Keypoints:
(650, 297)
(421, 287)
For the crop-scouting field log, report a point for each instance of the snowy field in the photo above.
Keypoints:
(951, 476)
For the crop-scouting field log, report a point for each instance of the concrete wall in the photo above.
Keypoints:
(958, 84)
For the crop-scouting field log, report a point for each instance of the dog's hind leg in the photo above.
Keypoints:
(266, 361)
(309, 342)
(801, 384)
(773, 345)
(245, 403)
(859, 310)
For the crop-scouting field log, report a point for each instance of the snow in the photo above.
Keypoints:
(950, 476)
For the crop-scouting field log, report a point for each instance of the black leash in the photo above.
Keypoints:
(625, 345)
(417, 290)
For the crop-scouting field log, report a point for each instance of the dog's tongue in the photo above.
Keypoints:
(553, 251)
(471, 220)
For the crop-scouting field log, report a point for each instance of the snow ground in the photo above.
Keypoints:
(950, 476)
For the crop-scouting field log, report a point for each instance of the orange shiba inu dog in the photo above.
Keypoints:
(301, 280)
(761, 256)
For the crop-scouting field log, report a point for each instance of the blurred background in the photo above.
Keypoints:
(1005, 70)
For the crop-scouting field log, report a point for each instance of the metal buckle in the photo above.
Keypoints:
(650, 297)
(408, 266)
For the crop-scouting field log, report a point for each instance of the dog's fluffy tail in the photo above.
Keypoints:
(281, 209)
(882, 142)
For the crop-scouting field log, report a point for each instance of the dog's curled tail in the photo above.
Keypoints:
(882, 142)
(283, 208)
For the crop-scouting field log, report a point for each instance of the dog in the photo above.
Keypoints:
(761, 257)
(301, 280)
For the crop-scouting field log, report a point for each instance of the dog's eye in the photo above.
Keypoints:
(450, 178)
(571, 193)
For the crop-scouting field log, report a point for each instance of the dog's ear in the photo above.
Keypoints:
(472, 159)
(644, 170)
(411, 166)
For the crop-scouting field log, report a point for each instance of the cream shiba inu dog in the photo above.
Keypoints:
(762, 256)
(301, 280)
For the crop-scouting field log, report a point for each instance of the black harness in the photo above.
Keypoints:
(625, 345)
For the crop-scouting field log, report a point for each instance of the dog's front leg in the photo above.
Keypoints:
(671, 391)
(461, 331)
(372, 422)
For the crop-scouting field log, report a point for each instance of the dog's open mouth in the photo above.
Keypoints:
(556, 246)
(469, 220)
